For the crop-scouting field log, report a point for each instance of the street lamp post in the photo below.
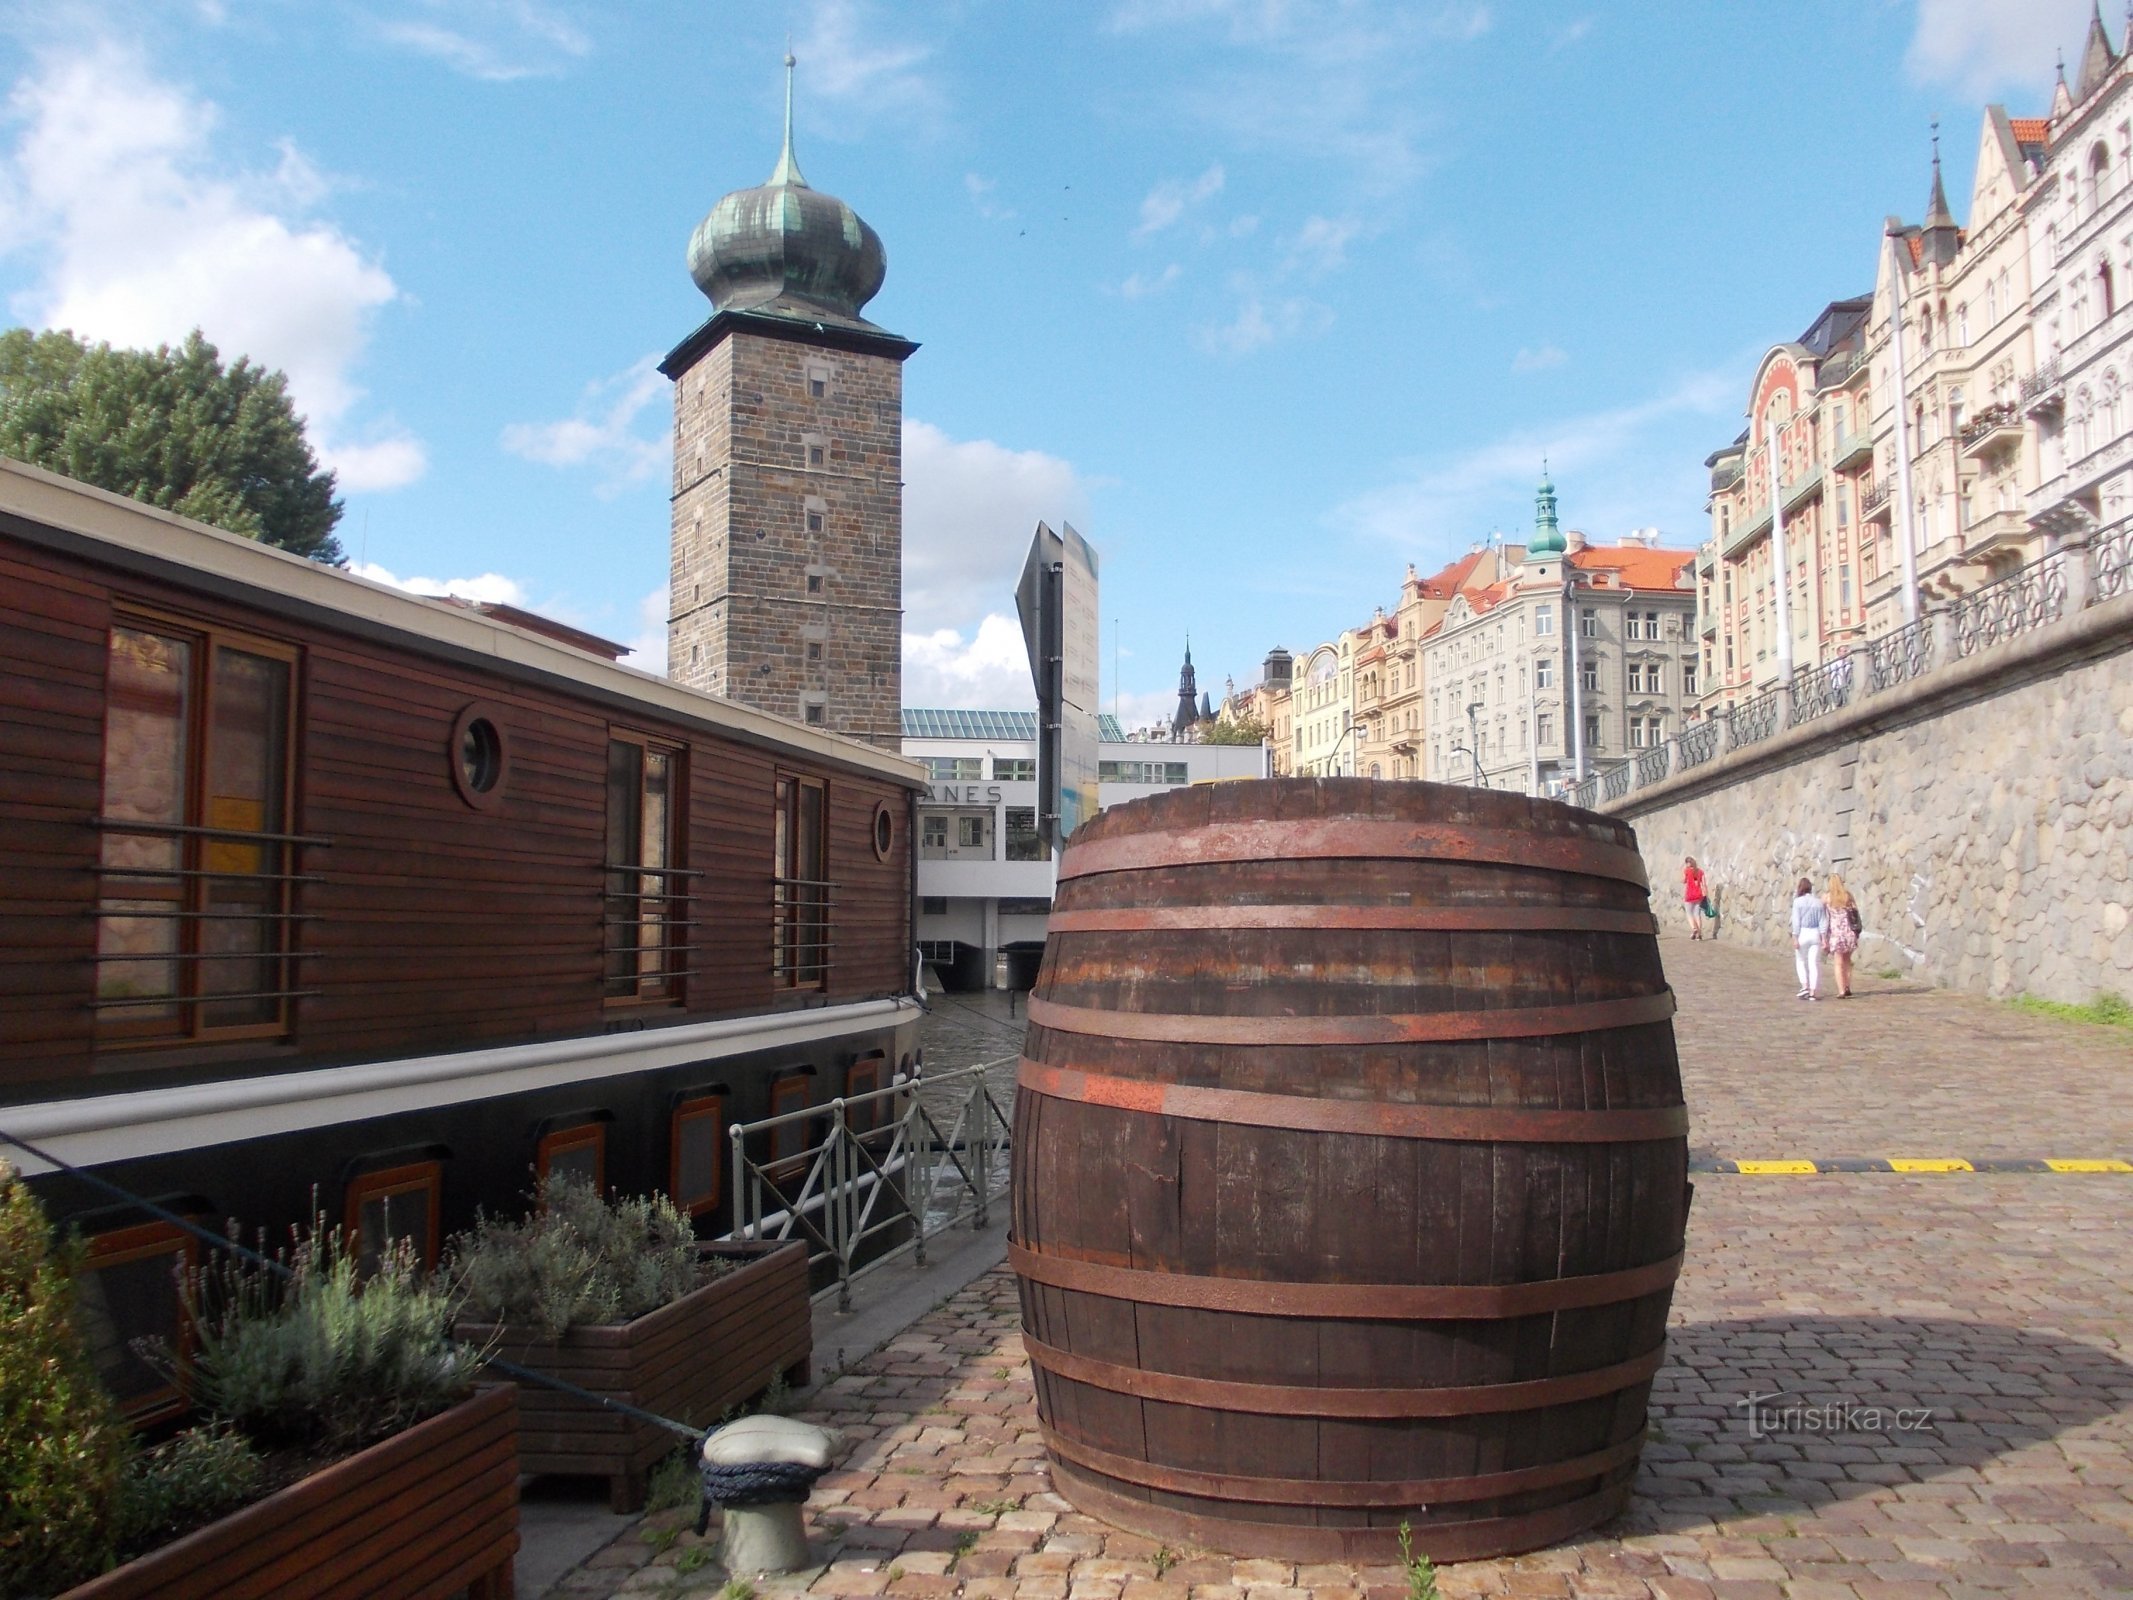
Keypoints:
(1473, 738)
(1333, 755)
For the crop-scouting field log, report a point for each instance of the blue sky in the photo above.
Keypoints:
(1267, 297)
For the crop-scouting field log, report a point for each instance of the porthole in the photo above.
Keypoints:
(884, 830)
(478, 756)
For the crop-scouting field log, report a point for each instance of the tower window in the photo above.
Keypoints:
(814, 714)
(814, 521)
(816, 455)
(814, 650)
(814, 583)
(818, 387)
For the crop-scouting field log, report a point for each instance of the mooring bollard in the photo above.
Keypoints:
(759, 1471)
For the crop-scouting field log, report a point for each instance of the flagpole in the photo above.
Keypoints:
(1907, 531)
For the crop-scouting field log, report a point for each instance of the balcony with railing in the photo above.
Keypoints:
(1840, 369)
(1802, 489)
(196, 927)
(1746, 533)
(800, 914)
(1875, 499)
(1992, 430)
(2044, 390)
(1851, 447)
(648, 931)
(1998, 532)
(1724, 478)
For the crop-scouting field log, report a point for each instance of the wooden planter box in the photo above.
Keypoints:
(426, 1513)
(690, 1361)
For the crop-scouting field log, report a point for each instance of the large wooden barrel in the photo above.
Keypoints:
(1351, 1169)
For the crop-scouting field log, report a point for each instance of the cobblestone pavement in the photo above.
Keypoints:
(1999, 1304)
(1899, 1069)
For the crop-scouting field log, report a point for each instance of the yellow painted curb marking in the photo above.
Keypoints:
(1759, 1168)
(2089, 1166)
(1929, 1164)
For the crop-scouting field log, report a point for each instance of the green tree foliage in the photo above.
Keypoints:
(174, 428)
(1245, 730)
(63, 1452)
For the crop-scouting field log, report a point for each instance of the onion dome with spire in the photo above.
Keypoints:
(1547, 537)
(787, 250)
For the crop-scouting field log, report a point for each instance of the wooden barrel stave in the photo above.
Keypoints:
(1375, 944)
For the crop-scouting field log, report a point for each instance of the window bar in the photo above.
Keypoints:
(207, 999)
(194, 830)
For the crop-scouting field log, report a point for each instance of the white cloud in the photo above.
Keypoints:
(1321, 245)
(981, 192)
(1570, 33)
(986, 668)
(648, 645)
(1340, 81)
(844, 59)
(602, 434)
(497, 41)
(970, 506)
(139, 235)
(1538, 359)
(1978, 46)
(1142, 284)
(392, 462)
(1619, 467)
(493, 587)
(1262, 320)
(1173, 197)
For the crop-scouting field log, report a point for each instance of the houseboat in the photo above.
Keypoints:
(321, 898)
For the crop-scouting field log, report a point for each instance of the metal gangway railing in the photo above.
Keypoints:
(874, 1174)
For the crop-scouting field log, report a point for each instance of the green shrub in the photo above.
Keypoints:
(62, 1448)
(185, 1483)
(330, 1359)
(577, 1261)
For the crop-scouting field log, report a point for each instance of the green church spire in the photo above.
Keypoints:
(1547, 537)
(787, 171)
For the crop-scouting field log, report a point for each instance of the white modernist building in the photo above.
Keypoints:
(985, 873)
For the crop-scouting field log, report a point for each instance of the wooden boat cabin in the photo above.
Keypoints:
(319, 897)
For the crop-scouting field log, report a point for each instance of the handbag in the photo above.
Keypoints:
(1709, 910)
(1851, 915)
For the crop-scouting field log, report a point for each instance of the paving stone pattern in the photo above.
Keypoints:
(1998, 1305)
(1900, 1069)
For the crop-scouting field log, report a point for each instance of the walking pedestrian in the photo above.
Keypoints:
(1809, 918)
(1692, 895)
(1842, 940)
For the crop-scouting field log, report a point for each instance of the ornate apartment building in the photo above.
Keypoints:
(1567, 654)
(2080, 221)
(787, 556)
(1997, 428)
(1808, 402)
(1964, 298)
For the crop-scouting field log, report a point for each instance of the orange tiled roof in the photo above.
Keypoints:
(2030, 130)
(1637, 566)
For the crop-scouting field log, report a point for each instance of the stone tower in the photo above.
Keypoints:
(787, 580)
(1188, 711)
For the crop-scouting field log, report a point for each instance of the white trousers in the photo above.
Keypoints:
(1807, 959)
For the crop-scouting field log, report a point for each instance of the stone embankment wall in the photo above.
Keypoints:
(1982, 813)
